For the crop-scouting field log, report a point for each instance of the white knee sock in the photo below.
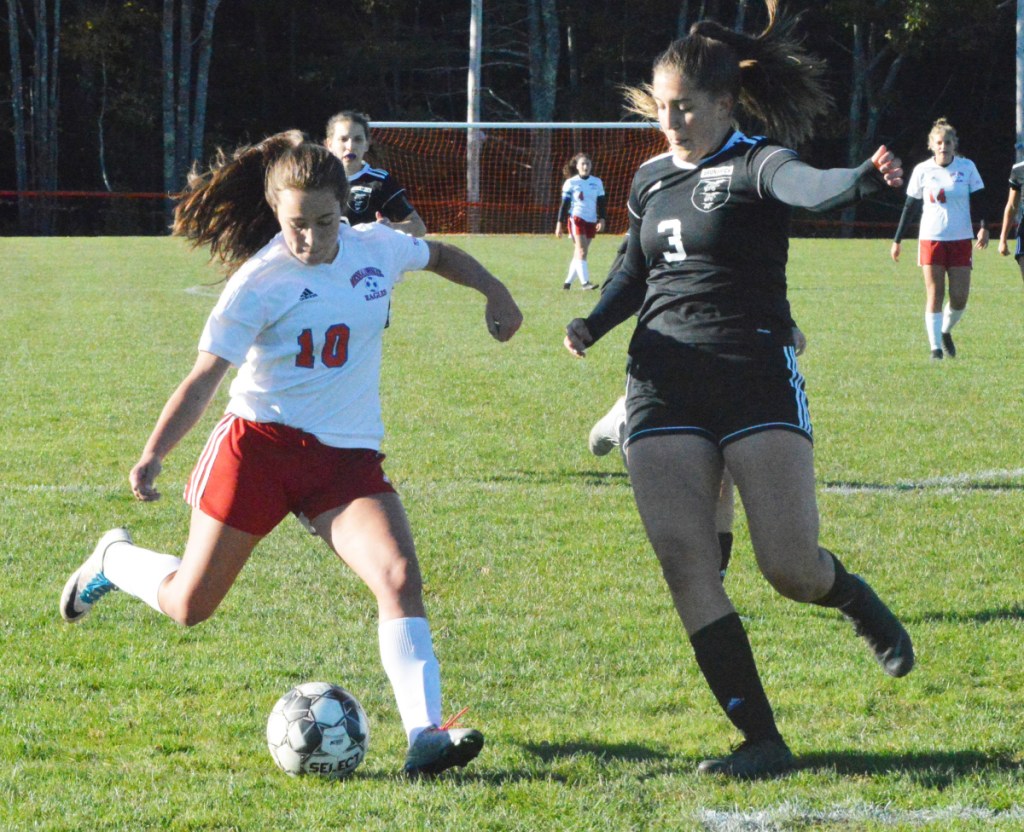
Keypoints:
(139, 571)
(572, 271)
(407, 653)
(933, 323)
(951, 317)
(584, 270)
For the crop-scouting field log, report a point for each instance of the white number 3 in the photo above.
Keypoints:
(674, 229)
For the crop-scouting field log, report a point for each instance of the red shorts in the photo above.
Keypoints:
(581, 228)
(949, 253)
(251, 475)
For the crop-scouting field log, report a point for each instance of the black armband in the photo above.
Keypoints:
(602, 202)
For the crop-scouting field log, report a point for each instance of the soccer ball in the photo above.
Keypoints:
(318, 728)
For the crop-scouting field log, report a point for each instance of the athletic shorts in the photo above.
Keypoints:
(949, 253)
(581, 228)
(721, 392)
(251, 475)
(1020, 244)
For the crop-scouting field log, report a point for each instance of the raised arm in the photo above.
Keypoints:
(183, 409)
(802, 186)
(503, 317)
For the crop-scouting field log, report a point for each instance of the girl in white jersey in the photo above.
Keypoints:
(302, 317)
(942, 188)
(583, 210)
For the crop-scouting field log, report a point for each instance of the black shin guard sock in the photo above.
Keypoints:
(845, 588)
(725, 544)
(724, 657)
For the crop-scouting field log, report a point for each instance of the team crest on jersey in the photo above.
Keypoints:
(359, 198)
(362, 274)
(713, 189)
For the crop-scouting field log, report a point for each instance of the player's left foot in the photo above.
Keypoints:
(752, 760)
(567, 286)
(588, 286)
(882, 630)
(436, 750)
(88, 583)
(947, 344)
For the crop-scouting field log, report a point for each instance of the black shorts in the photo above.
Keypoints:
(718, 391)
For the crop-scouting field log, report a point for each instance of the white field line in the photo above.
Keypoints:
(789, 816)
(982, 480)
(204, 291)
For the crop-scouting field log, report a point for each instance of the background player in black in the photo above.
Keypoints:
(374, 195)
(1011, 217)
(713, 379)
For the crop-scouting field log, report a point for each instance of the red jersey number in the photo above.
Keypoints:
(334, 352)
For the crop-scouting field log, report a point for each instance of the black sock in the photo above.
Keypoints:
(725, 544)
(845, 588)
(724, 657)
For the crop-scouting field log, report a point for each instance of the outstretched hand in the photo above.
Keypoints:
(889, 165)
(143, 477)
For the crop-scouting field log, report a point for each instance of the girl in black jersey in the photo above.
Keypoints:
(373, 195)
(713, 378)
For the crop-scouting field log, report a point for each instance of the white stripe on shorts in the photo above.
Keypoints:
(204, 466)
(796, 381)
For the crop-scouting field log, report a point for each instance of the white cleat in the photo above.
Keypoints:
(610, 429)
(88, 583)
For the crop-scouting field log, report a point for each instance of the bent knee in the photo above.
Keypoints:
(187, 612)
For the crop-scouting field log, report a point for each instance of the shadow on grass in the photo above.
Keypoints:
(560, 477)
(622, 751)
(929, 485)
(1014, 613)
(937, 770)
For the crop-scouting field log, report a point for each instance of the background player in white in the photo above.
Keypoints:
(583, 209)
(374, 195)
(942, 189)
(302, 317)
(1011, 218)
(713, 379)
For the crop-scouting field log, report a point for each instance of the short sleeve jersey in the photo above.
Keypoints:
(946, 194)
(583, 193)
(307, 340)
(1017, 182)
(373, 190)
(713, 244)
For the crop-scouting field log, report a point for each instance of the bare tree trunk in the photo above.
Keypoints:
(167, 97)
(18, 106)
(683, 20)
(203, 79)
(1019, 121)
(544, 53)
(182, 117)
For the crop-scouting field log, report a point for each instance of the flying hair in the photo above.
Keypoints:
(773, 80)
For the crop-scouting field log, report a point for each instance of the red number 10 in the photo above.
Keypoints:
(334, 353)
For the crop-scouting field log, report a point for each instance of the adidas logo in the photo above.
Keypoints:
(307, 294)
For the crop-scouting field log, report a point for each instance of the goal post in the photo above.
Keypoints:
(506, 177)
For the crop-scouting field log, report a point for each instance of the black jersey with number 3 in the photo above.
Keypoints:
(713, 246)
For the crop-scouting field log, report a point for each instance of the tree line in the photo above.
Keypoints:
(125, 95)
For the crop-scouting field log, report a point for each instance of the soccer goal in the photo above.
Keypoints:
(506, 177)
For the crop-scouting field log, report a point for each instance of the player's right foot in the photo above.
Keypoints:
(588, 286)
(436, 750)
(567, 286)
(607, 432)
(947, 344)
(752, 760)
(88, 583)
(936, 355)
(882, 630)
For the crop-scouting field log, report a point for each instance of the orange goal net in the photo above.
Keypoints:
(506, 178)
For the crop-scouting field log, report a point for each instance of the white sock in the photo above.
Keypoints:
(584, 269)
(572, 271)
(407, 653)
(951, 317)
(933, 324)
(139, 571)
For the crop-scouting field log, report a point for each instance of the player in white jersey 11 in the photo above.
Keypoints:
(302, 317)
(582, 208)
(942, 189)
(1012, 218)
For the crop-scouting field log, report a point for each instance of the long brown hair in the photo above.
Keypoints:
(229, 206)
(773, 80)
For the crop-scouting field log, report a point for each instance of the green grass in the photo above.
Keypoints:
(549, 612)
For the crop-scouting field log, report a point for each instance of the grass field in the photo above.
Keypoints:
(549, 613)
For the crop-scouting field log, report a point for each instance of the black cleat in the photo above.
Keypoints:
(936, 355)
(752, 760)
(567, 286)
(876, 624)
(947, 344)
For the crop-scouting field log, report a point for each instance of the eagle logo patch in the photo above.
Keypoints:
(359, 198)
